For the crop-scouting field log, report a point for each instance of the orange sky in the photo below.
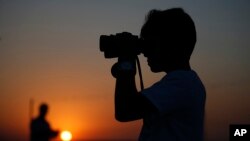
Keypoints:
(49, 52)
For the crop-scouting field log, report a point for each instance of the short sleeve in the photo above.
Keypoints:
(169, 95)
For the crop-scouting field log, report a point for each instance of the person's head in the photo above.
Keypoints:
(169, 37)
(43, 109)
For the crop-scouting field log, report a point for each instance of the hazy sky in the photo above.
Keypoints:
(49, 52)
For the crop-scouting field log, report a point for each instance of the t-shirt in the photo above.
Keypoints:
(179, 98)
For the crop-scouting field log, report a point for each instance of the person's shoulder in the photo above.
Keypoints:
(38, 120)
(180, 78)
(34, 120)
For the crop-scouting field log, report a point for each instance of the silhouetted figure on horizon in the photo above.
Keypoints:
(172, 109)
(40, 128)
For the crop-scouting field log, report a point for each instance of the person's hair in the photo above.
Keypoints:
(173, 26)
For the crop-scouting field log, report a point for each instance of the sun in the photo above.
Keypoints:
(66, 136)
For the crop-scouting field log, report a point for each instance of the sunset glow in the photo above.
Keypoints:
(66, 136)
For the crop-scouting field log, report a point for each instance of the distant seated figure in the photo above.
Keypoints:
(40, 128)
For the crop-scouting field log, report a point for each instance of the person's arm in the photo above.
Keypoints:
(50, 133)
(129, 103)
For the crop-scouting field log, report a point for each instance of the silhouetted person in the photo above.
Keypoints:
(40, 128)
(172, 109)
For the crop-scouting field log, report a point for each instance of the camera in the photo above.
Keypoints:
(121, 44)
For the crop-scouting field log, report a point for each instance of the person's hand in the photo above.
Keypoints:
(126, 65)
(124, 68)
(54, 133)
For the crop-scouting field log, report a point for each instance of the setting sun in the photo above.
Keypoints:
(66, 136)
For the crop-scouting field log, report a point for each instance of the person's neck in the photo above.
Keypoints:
(180, 66)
